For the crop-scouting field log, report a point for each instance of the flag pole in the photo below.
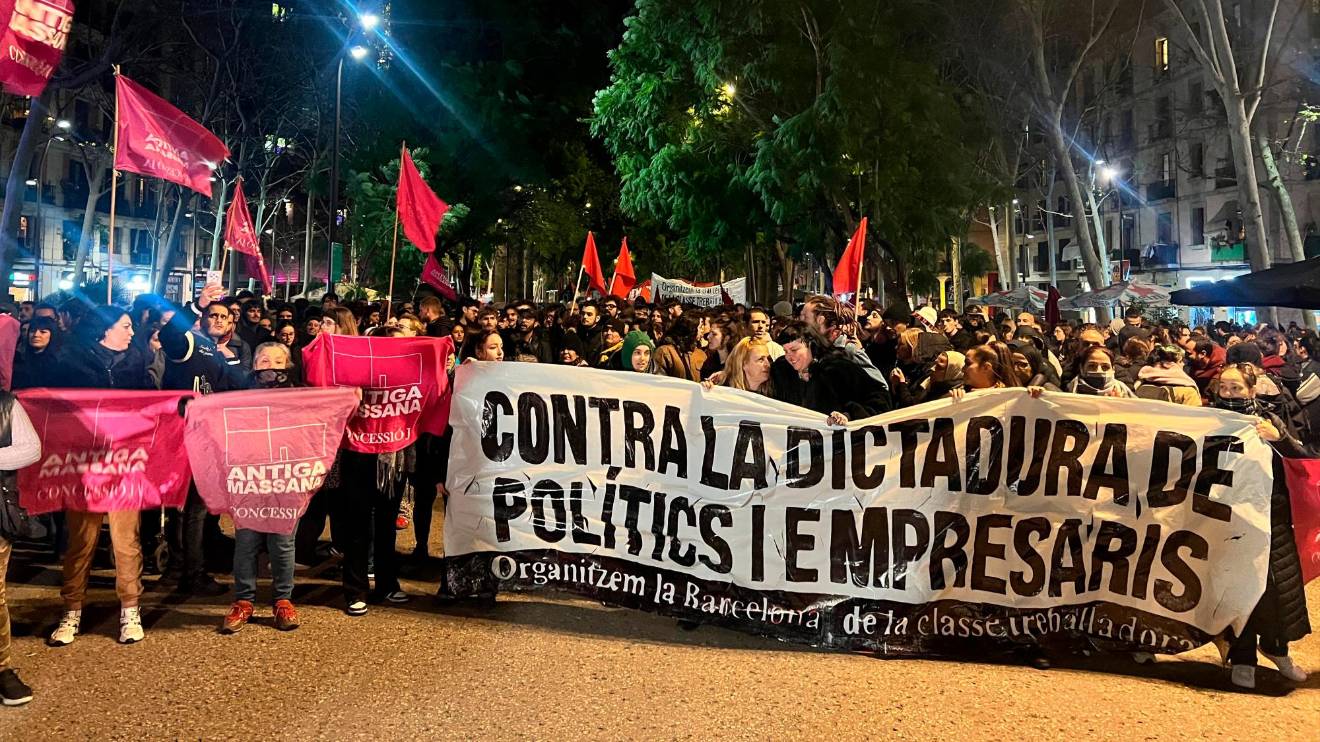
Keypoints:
(114, 192)
(394, 251)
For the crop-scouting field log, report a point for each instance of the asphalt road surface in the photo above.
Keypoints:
(548, 667)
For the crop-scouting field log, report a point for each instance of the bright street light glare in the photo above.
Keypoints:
(369, 21)
(1109, 173)
(1099, 162)
(64, 124)
(730, 90)
(31, 181)
(358, 52)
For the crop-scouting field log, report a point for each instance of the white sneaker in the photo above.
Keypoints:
(1244, 676)
(130, 625)
(1288, 668)
(67, 630)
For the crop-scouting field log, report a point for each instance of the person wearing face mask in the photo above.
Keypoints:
(1281, 615)
(271, 366)
(1093, 373)
(35, 361)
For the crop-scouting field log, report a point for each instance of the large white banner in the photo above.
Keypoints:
(703, 296)
(1075, 519)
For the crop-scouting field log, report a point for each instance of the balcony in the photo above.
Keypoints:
(1160, 190)
(1160, 255)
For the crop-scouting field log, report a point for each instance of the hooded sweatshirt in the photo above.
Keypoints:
(1170, 384)
(630, 343)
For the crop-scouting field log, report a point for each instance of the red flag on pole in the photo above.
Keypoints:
(1303, 478)
(591, 266)
(241, 237)
(848, 274)
(420, 210)
(433, 274)
(624, 278)
(35, 33)
(159, 141)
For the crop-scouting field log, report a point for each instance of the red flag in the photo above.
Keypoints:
(848, 274)
(1303, 480)
(241, 237)
(420, 210)
(35, 34)
(591, 266)
(104, 450)
(260, 455)
(624, 278)
(405, 390)
(159, 141)
(433, 274)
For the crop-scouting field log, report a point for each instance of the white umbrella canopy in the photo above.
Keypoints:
(1125, 292)
(1022, 297)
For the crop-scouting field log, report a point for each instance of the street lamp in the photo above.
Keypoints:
(64, 124)
(358, 52)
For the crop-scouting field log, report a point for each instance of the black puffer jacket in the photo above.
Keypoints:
(836, 385)
(94, 366)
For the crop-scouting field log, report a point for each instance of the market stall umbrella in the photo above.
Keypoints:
(1125, 292)
(1022, 297)
(1295, 285)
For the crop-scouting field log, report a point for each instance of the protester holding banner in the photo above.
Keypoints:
(488, 346)
(19, 447)
(748, 368)
(1093, 373)
(815, 375)
(637, 353)
(1281, 615)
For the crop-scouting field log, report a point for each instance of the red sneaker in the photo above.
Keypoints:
(286, 616)
(239, 614)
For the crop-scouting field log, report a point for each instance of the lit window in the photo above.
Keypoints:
(1162, 54)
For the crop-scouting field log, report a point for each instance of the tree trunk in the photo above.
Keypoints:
(165, 252)
(1253, 220)
(785, 269)
(1001, 257)
(16, 189)
(955, 267)
(1284, 201)
(1081, 232)
(895, 277)
(94, 192)
(221, 204)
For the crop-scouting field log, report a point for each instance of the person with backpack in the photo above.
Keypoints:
(1163, 378)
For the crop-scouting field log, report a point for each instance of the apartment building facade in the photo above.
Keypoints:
(1160, 167)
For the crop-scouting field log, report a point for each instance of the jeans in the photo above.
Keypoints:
(84, 531)
(5, 549)
(187, 533)
(280, 548)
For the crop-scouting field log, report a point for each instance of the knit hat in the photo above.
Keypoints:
(572, 342)
(783, 309)
(630, 343)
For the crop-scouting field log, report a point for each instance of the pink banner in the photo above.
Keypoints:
(405, 390)
(33, 42)
(260, 455)
(104, 450)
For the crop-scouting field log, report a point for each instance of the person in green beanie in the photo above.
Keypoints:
(636, 353)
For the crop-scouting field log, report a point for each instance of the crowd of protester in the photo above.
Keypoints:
(820, 355)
